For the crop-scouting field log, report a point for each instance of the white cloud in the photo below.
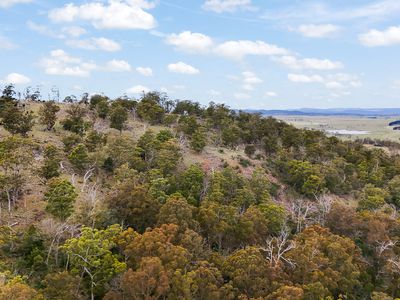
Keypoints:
(116, 14)
(374, 38)
(242, 48)
(8, 3)
(118, 66)
(334, 85)
(317, 31)
(242, 96)
(331, 81)
(60, 62)
(15, 78)
(214, 92)
(320, 12)
(95, 44)
(183, 68)
(250, 79)
(6, 44)
(271, 94)
(301, 78)
(190, 42)
(145, 71)
(74, 31)
(138, 89)
(309, 63)
(396, 84)
(220, 6)
(44, 30)
(179, 87)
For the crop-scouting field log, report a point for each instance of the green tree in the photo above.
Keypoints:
(198, 140)
(79, 157)
(275, 216)
(133, 206)
(75, 119)
(149, 281)
(394, 190)
(248, 271)
(60, 198)
(188, 124)
(96, 99)
(326, 264)
(61, 286)
(190, 184)
(103, 109)
(177, 211)
(95, 140)
(91, 257)
(48, 114)
(16, 155)
(372, 198)
(149, 108)
(16, 289)
(51, 162)
(16, 120)
(118, 117)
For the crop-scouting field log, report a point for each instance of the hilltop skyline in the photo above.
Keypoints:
(247, 54)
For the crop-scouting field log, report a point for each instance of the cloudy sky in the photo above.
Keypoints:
(246, 53)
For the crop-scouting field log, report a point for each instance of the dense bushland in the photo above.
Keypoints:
(162, 199)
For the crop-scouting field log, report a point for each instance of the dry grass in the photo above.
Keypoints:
(377, 127)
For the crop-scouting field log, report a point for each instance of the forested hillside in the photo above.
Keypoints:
(159, 199)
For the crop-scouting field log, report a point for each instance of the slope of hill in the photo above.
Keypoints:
(161, 199)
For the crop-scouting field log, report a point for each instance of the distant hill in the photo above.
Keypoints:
(367, 112)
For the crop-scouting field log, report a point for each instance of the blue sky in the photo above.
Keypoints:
(245, 53)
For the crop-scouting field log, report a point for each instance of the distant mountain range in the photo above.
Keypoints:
(362, 112)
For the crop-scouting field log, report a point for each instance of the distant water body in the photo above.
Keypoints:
(347, 132)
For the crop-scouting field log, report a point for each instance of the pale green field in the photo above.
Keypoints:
(377, 128)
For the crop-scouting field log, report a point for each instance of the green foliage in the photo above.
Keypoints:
(61, 286)
(70, 141)
(305, 177)
(190, 184)
(149, 108)
(16, 120)
(79, 158)
(90, 255)
(75, 119)
(96, 99)
(250, 150)
(372, 198)
(394, 191)
(51, 162)
(177, 211)
(164, 135)
(103, 109)
(60, 198)
(16, 154)
(133, 206)
(198, 228)
(198, 140)
(188, 125)
(118, 117)
(336, 258)
(275, 216)
(95, 140)
(48, 114)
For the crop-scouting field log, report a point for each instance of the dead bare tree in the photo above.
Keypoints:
(302, 212)
(324, 205)
(276, 248)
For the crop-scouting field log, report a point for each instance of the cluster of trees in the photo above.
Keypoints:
(124, 214)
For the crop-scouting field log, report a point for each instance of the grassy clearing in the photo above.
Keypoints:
(377, 127)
